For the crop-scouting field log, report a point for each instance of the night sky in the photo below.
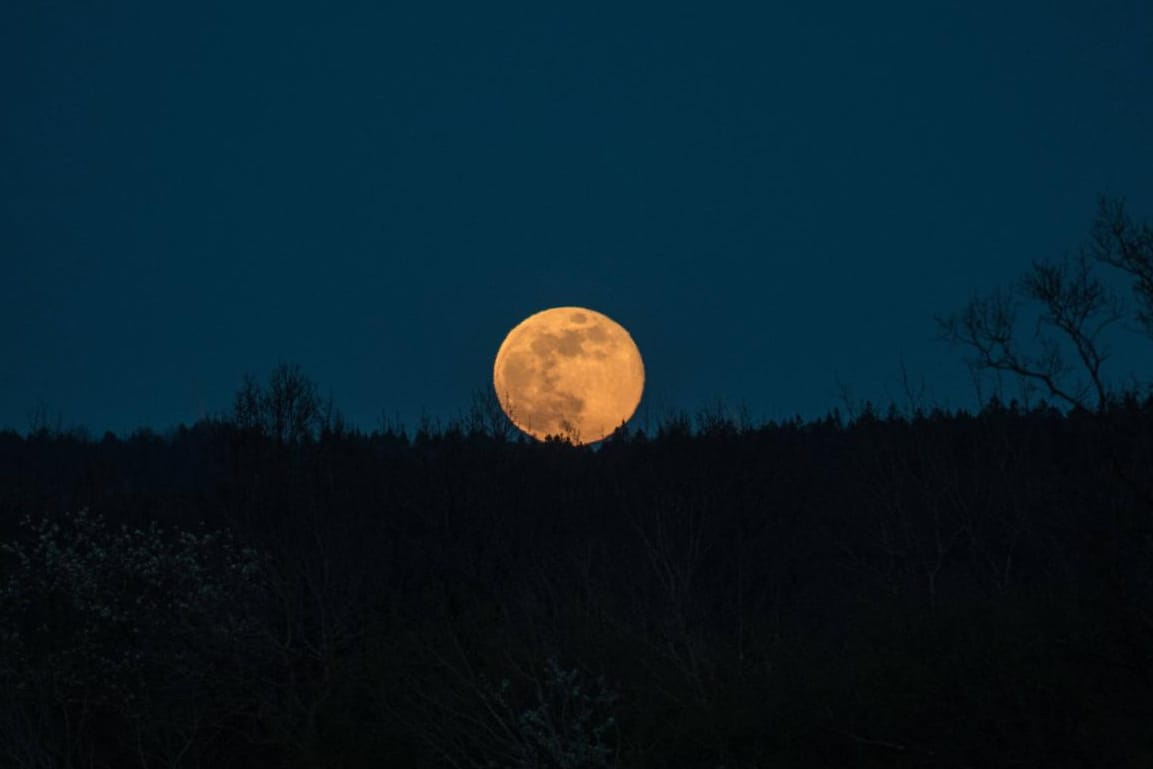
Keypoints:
(769, 200)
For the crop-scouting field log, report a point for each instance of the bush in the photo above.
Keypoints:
(135, 631)
(568, 726)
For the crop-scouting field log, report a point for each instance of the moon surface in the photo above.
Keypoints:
(569, 372)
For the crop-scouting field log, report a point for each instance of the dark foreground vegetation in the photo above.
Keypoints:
(273, 589)
(934, 589)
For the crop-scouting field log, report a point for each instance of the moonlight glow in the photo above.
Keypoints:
(569, 372)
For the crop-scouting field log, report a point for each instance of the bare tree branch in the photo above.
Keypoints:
(1118, 242)
(1080, 306)
(987, 325)
(1073, 301)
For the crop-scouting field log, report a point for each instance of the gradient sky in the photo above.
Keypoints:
(768, 199)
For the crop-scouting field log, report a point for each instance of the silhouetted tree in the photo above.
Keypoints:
(288, 409)
(1119, 242)
(1073, 302)
(486, 417)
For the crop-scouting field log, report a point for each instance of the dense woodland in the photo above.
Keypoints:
(913, 588)
(939, 589)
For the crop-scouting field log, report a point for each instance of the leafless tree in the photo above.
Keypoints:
(313, 627)
(288, 410)
(555, 718)
(1076, 308)
(487, 417)
(1079, 307)
(1119, 242)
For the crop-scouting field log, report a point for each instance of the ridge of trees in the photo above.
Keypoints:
(898, 588)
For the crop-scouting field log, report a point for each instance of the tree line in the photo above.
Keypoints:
(915, 588)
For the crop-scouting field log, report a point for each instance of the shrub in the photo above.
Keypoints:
(136, 630)
(569, 723)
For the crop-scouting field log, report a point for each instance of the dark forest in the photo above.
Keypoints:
(900, 587)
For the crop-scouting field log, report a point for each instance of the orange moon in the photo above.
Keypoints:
(570, 372)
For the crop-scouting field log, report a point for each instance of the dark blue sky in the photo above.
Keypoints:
(767, 199)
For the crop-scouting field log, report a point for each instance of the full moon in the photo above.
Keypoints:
(568, 372)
